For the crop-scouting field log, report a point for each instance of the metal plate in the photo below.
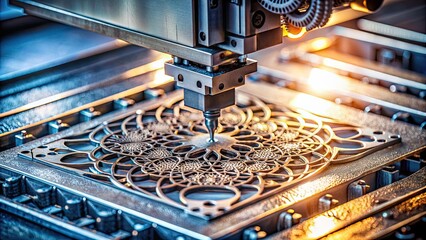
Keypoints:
(163, 153)
(139, 16)
(267, 209)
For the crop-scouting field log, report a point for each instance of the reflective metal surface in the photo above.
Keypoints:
(165, 153)
(175, 22)
(106, 147)
(29, 52)
(362, 218)
(201, 55)
(159, 213)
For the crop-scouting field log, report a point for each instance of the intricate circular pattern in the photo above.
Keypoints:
(165, 153)
(132, 144)
(249, 142)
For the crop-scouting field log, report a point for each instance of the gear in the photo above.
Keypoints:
(300, 19)
(280, 6)
(322, 14)
(315, 15)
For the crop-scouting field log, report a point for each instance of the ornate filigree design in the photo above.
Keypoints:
(163, 153)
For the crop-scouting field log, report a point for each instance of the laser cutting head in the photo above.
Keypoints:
(208, 39)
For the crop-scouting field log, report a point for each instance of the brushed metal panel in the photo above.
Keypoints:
(201, 55)
(160, 18)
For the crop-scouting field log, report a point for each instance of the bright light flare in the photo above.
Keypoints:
(310, 103)
(320, 80)
(321, 226)
(319, 44)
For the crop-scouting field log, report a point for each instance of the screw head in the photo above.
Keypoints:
(203, 36)
(180, 78)
(233, 43)
(258, 19)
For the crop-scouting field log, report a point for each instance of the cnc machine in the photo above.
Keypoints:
(127, 153)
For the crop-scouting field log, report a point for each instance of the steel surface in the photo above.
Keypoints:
(164, 153)
(201, 55)
(412, 140)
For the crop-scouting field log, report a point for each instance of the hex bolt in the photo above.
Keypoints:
(242, 58)
(357, 189)
(405, 233)
(212, 68)
(397, 88)
(254, 233)
(402, 116)
(177, 60)
(23, 138)
(387, 214)
(327, 202)
(122, 103)
(373, 109)
(344, 101)
(154, 93)
(88, 114)
(57, 126)
(288, 219)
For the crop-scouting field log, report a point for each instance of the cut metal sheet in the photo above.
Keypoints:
(163, 153)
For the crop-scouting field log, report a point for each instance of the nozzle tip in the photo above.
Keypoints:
(212, 121)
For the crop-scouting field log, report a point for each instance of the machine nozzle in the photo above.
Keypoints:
(212, 121)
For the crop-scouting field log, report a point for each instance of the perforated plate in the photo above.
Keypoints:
(163, 153)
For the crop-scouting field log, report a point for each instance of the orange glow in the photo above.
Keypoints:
(321, 226)
(321, 80)
(298, 35)
(294, 35)
(310, 103)
(320, 44)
